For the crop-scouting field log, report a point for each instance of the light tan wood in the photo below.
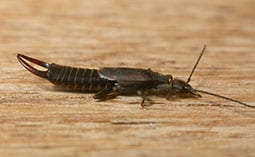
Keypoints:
(167, 36)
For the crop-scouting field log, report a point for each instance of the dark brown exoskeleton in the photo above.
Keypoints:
(108, 83)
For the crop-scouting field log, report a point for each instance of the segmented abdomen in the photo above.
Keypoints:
(78, 78)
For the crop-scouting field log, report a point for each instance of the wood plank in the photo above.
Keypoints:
(38, 120)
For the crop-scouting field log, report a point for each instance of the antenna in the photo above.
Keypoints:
(195, 66)
(223, 97)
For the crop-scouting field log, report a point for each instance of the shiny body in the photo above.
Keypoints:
(107, 83)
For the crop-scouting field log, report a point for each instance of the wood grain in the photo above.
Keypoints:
(167, 36)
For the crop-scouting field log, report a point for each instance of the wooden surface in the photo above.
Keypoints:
(167, 36)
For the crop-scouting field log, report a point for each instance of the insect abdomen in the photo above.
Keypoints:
(78, 78)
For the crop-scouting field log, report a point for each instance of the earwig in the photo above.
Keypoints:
(110, 82)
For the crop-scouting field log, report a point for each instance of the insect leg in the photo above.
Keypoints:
(144, 95)
(103, 93)
(108, 93)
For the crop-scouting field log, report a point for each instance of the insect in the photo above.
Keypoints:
(110, 82)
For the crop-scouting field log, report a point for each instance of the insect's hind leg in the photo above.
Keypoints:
(108, 93)
(102, 94)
